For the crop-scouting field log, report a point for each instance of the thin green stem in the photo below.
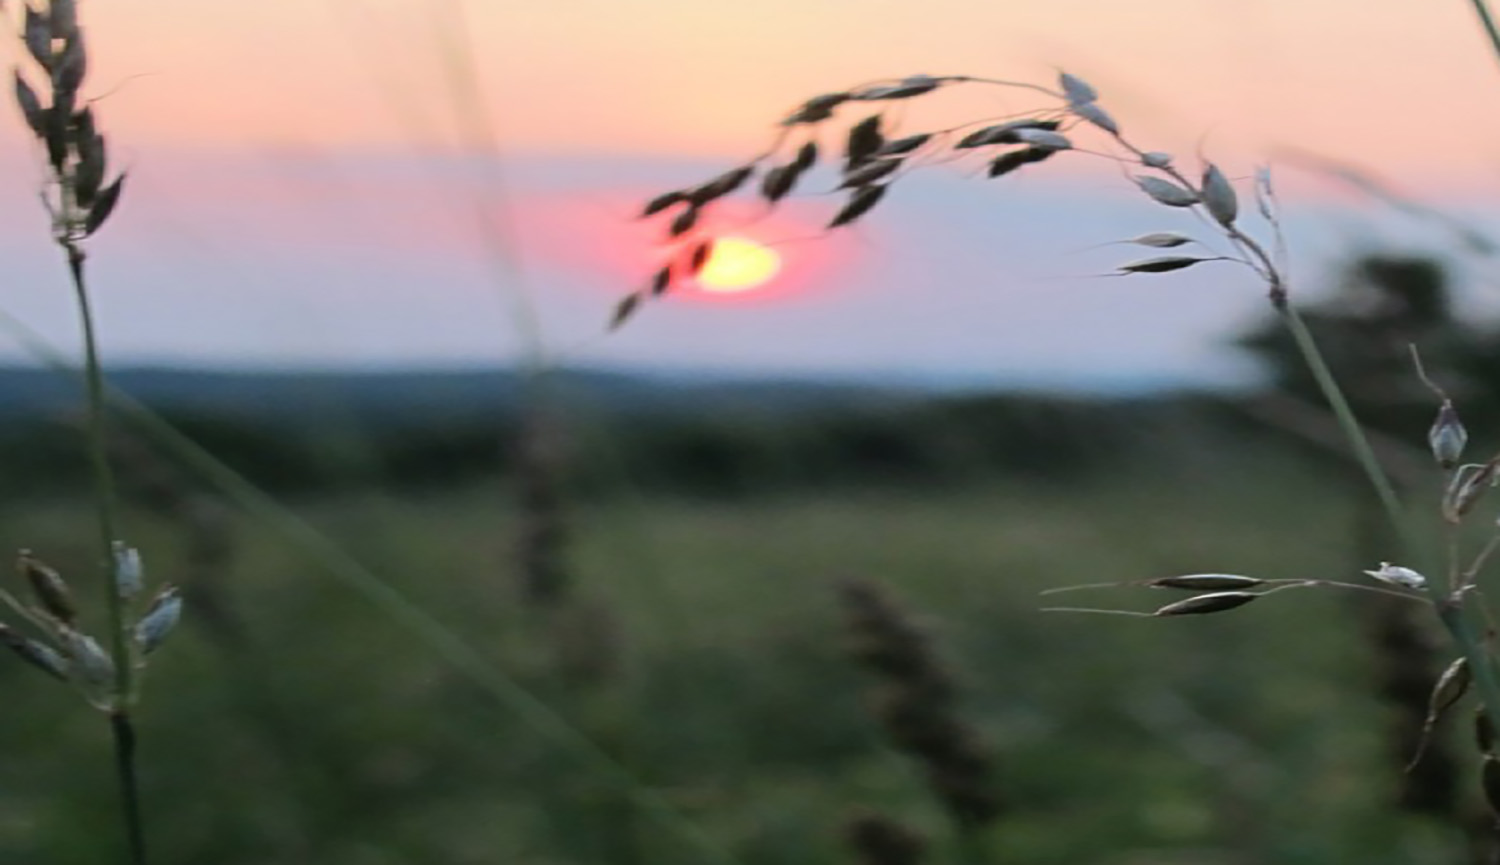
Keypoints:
(104, 502)
(1487, 20)
(104, 483)
(124, 736)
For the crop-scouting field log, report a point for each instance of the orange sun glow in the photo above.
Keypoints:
(738, 264)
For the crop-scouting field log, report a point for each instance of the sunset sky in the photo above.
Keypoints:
(310, 178)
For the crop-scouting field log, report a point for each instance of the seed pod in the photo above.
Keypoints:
(1004, 133)
(1219, 195)
(1396, 575)
(870, 172)
(63, 15)
(86, 657)
(129, 575)
(1162, 264)
(816, 109)
(1156, 159)
(864, 198)
(684, 221)
(103, 206)
(31, 106)
(777, 183)
(1005, 163)
(661, 281)
(662, 202)
(903, 146)
(807, 154)
(1447, 436)
(1208, 582)
(48, 586)
(625, 309)
(864, 139)
(37, 654)
(71, 67)
(1043, 139)
(1166, 192)
(154, 627)
(55, 130)
(1215, 602)
(38, 37)
(914, 85)
(1490, 779)
(88, 174)
(720, 186)
(1076, 89)
(1094, 114)
(700, 256)
(1161, 239)
(1466, 489)
(1446, 692)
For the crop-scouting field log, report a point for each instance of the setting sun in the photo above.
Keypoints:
(738, 264)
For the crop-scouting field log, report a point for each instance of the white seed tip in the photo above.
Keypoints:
(1396, 575)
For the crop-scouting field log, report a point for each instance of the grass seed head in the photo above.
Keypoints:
(864, 198)
(903, 146)
(1206, 582)
(1043, 139)
(1396, 575)
(1005, 163)
(1214, 602)
(35, 653)
(92, 666)
(661, 281)
(1166, 192)
(1163, 264)
(816, 109)
(1219, 195)
(160, 620)
(50, 589)
(684, 221)
(1161, 239)
(662, 202)
(1076, 89)
(863, 141)
(129, 575)
(912, 85)
(1094, 114)
(624, 309)
(1447, 437)
(777, 182)
(870, 172)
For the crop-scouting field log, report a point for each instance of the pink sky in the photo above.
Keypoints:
(1399, 85)
(283, 154)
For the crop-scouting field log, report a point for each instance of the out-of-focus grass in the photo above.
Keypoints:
(328, 736)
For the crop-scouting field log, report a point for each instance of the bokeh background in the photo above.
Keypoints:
(755, 578)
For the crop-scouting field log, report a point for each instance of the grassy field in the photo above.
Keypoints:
(706, 708)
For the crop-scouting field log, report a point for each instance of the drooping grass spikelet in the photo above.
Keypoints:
(916, 704)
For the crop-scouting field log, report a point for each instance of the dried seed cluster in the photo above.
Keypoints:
(876, 153)
(61, 648)
(78, 197)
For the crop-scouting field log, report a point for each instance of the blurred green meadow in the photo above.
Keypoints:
(702, 700)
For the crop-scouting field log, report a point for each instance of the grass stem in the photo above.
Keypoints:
(124, 738)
